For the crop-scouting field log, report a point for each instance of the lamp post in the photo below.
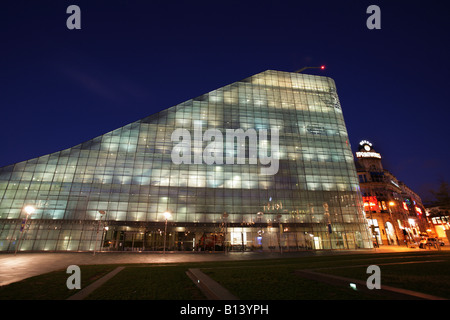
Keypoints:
(304, 68)
(225, 221)
(29, 210)
(167, 216)
(102, 213)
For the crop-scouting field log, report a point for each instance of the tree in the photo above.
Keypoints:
(441, 196)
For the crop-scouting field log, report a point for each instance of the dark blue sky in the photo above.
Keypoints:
(60, 87)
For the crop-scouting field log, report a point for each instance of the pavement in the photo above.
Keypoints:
(15, 268)
(211, 289)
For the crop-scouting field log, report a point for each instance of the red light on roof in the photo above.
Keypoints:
(322, 67)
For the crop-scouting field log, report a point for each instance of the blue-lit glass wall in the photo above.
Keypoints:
(128, 173)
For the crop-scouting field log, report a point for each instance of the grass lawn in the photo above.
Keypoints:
(277, 280)
(431, 278)
(149, 283)
(273, 279)
(276, 283)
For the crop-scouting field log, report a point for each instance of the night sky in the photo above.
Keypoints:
(60, 87)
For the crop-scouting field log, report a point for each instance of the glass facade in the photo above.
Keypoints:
(111, 192)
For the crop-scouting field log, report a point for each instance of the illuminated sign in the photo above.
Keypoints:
(360, 154)
(418, 210)
(367, 151)
(363, 142)
(405, 206)
(395, 184)
(370, 203)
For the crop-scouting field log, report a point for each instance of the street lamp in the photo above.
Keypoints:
(304, 68)
(29, 210)
(225, 221)
(167, 215)
(102, 213)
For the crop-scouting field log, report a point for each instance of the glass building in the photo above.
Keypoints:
(124, 189)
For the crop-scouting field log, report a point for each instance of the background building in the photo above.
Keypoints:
(438, 211)
(123, 191)
(439, 219)
(395, 213)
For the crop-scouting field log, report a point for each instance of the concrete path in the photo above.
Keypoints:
(84, 292)
(210, 288)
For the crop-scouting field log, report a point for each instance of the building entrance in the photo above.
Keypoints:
(390, 234)
(216, 239)
(127, 239)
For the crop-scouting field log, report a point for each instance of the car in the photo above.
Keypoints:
(430, 242)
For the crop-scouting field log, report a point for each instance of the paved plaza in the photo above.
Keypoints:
(14, 268)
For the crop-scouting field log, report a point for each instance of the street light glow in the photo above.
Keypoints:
(167, 215)
(29, 209)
